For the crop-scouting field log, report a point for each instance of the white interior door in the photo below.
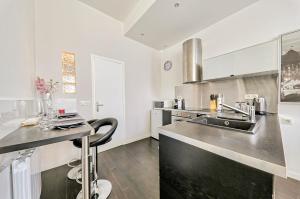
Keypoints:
(108, 95)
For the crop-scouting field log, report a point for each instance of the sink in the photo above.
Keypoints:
(244, 126)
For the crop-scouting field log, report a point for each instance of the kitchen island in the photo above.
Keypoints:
(34, 136)
(198, 161)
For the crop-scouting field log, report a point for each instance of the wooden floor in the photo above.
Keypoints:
(132, 170)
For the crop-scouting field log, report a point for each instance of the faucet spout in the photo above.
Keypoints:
(250, 114)
(235, 109)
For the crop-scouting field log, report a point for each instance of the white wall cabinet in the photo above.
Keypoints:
(260, 58)
(156, 121)
(218, 67)
(256, 59)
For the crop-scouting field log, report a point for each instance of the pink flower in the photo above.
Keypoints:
(41, 86)
(44, 87)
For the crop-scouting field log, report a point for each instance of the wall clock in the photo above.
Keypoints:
(168, 65)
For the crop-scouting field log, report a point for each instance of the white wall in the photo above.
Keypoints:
(255, 24)
(173, 77)
(17, 70)
(17, 49)
(69, 25)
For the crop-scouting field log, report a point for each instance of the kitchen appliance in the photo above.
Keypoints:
(163, 104)
(179, 103)
(159, 118)
(260, 105)
(220, 101)
(192, 61)
(179, 116)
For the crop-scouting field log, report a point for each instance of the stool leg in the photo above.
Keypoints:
(85, 168)
(101, 188)
(94, 164)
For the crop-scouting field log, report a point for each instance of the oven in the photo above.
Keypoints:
(179, 119)
(181, 116)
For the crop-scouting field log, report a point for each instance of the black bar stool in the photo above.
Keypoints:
(101, 188)
(75, 172)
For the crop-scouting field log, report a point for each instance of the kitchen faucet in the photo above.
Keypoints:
(250, 114)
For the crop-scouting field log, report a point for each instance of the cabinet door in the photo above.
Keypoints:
(257, 59)
(218, 67)
(188, 172)
(156, 121)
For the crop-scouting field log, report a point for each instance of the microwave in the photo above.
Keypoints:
(163, 104)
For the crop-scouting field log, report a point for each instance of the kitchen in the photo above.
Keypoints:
(240, 47)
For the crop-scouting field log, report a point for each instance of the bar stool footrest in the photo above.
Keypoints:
(75, 172)
(103, 190)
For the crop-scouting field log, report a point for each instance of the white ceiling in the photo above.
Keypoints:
(118, 9)
(164, 25)
(158, 24)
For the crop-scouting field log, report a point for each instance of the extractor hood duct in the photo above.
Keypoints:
(192, 61)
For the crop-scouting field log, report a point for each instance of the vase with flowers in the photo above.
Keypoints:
(45, 92)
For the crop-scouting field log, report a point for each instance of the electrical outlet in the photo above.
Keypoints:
(251, 96)
(286, 120)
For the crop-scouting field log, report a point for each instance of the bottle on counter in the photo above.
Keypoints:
(213, 102)
(220, 101)
(179, 103)
(175, 104)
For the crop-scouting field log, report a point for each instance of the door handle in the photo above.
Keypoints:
(98, 105)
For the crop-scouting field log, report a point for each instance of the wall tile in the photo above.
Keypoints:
(234, 90)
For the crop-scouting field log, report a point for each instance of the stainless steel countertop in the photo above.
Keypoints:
(34, 136)
(191, 110)
(263, 150)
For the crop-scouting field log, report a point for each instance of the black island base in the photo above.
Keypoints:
(188, 172)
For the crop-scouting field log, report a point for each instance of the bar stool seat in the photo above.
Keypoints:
(100, 189)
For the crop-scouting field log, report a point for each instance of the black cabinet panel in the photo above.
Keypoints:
(187, 172)
(167, 117)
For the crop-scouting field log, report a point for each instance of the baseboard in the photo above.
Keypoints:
(294, 175)
(58, 154)
(105, 147)
(137, 138)
(112, 145)
(109, 146)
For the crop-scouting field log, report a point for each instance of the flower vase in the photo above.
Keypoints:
(47, 111)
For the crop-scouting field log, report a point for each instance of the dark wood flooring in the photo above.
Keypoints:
(132, 169)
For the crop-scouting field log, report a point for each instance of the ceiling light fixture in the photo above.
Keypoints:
(176, 5)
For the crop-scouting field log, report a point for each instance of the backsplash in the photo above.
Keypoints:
(12, 112)
(197, 95)
(12, 109)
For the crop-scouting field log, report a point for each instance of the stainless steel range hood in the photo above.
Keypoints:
(192, 61)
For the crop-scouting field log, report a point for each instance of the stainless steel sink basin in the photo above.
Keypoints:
(234, 124)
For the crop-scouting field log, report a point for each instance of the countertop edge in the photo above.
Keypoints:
(38, 143)
(32, 143)
(181, 110)
(232, 155)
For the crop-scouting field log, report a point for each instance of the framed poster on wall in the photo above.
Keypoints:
(290, 67)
